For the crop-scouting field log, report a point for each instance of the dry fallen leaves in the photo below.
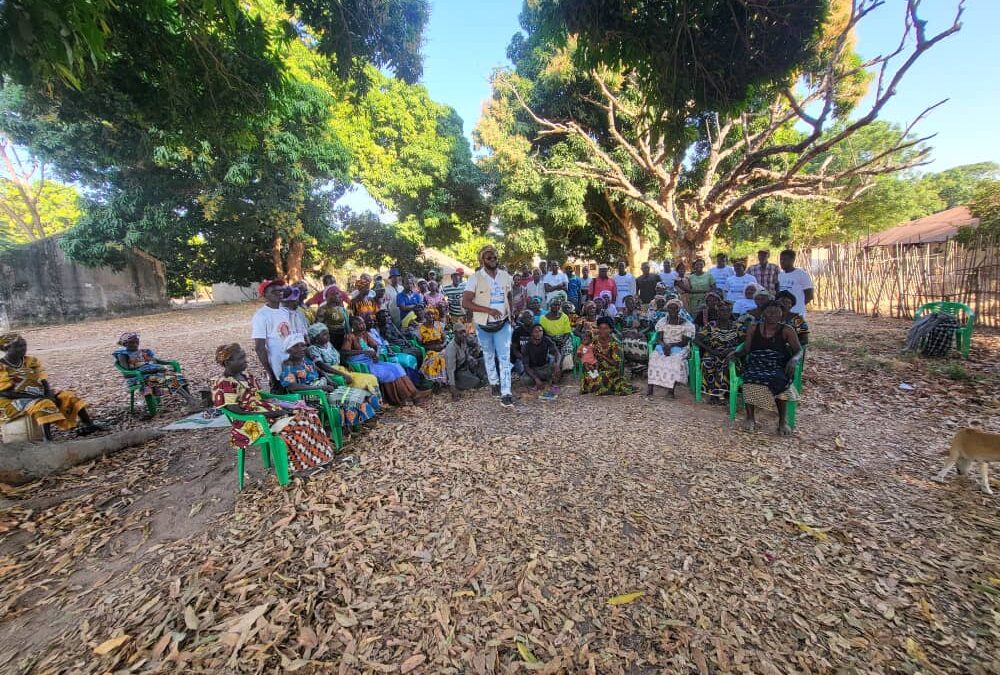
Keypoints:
(494, 541)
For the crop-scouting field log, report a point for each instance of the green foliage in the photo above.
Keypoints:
(985, 205)
(958, 185)
(365, 239)
(58, 210)
(708, 55)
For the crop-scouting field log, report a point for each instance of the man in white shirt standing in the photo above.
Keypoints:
(488, 296)
(796, 281)
(268, 329)
(668, 276)
(721, 272)
(736, 285)
(392, 289)
(625, 283)
(535, 288)
(555, 281)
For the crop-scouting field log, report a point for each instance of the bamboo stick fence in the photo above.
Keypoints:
(896, 280)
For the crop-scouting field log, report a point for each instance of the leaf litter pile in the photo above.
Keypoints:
(618, 535)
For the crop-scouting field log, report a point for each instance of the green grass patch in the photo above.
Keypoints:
(953, 370)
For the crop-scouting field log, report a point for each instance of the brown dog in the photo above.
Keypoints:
(973, 445)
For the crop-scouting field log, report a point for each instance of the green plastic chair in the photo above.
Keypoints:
(138, 381)
(694, 365)
(736, 385)
(963, 336)
(329, 413)
(273, 451)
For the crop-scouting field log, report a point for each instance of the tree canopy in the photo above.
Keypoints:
(684, 170)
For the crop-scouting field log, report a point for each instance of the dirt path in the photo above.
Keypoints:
(470, 539)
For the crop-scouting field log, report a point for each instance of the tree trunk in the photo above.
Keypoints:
(637, 248)
(293, 261)
(279, 264)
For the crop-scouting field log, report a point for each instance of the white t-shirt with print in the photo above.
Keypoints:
(668, 279)
(625, 283)
(273, 326)
(721, 274)
(498, 286)
(796, 281)
(736, 287)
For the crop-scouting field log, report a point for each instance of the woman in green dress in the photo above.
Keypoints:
(606, 377)
(696, 284)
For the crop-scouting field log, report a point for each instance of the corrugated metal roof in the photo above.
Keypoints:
(940, 226)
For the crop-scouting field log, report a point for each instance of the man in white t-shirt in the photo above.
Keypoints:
(268, 329)
(625, 283)
(721, 272)
(796, 281)
(554, 281)
(736, 285)
(668, 276)
(488, 296)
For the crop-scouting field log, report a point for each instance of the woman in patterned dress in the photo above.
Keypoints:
(793, 319)
(558, 327)
(327, 359)
(299, 426)
(716, 340)
(773, 352)
(668, 362)
(25, 391)
(157, 374)
(298, 373)
(606, 377)
(430, 333)
(397, 388)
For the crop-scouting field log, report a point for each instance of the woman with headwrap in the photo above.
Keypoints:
(668, 361)
(606, 377)
(25, 391)
(558, 328)
(359, 347)
(586, 323)
(333, 315)
(607, 305)
(298, 425)
(157, 374)
(709, 311)
(743, 322)
(430, 333)
(327, 359)
(773, 352)
(362, 301)
(298, 373)
(793, 319)
(716, 340)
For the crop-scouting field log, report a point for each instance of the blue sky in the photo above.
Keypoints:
(466, 39)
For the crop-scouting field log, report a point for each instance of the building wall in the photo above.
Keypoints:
(39, 285)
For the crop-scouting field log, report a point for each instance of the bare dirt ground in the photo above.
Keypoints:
(588, 535)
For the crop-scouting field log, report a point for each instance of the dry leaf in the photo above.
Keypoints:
(109, 646)
(308, 638)
(411, 663)
(190, 618)
(626, 598)
(526, 654)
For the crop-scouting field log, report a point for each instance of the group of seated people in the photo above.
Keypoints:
(401, 342)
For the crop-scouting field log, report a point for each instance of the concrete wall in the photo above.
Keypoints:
(39, 285)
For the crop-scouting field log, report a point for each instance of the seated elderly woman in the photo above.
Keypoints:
(406, 354)
(605, 305)
(464, 369)
(709, 311)
(430, 333)
(668, 362)
(761, 299)
(586, 323)
(157, 374)
(25, 392)
(397, 388)
(298, 425)
(716, 340)
(633, 338)
(793, 319)
(299, 373)
(327, 359)
(606, 376)
(773, 352)
(747, 302)
(557, 327)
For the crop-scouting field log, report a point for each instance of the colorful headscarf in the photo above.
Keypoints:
(7, 339)
(127, 336)
(315, 330)
(433, 312)
(675, 301)
(224, 352)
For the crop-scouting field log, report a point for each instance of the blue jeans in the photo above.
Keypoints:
(496, 347)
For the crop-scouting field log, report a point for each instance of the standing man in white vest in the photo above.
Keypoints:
(488, 296)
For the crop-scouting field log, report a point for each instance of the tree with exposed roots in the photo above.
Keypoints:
(679, 172)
